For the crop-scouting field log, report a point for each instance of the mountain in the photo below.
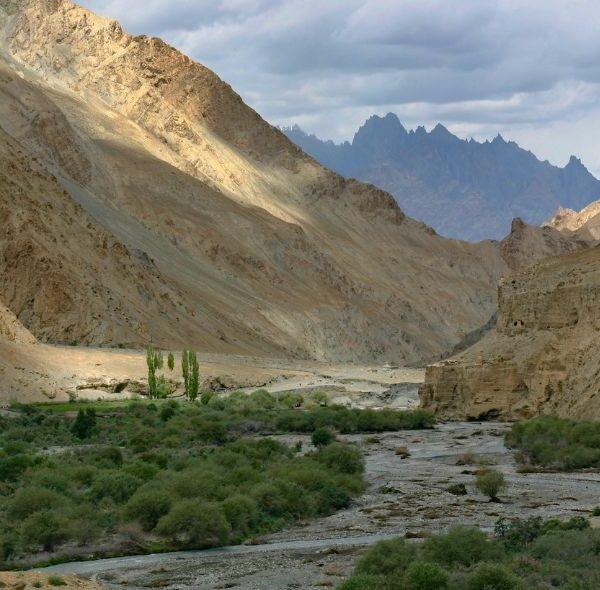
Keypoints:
(543, 356)
(143, 202)
(463, 189)
(584, 224)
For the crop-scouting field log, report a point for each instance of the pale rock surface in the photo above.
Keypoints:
(584, 224)
(543, 356)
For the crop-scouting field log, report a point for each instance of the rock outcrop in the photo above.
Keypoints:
(543, 356)
(583, 225)
(11, 329)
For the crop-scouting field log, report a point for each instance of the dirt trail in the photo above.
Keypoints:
(404, 496)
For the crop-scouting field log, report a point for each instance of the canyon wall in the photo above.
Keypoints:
(543, 357)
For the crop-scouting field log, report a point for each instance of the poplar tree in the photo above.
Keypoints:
(154, 360)
(191, 374)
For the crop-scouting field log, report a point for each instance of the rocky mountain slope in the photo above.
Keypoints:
(584, 224)
(173, 214)
(436, 177)
(543, 356)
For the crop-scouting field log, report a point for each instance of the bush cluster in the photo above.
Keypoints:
(349, 421)
(162, 474)
(556, 443)
(523, 554)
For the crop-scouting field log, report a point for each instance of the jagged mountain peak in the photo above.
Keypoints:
(441, 130)
(437, 176)
(575, 163)
(387, 128)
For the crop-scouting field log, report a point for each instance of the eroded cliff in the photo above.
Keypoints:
(543, 356)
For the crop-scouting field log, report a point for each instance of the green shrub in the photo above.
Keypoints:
(343, 458)
(241, 513)
(322, 437)
(45, 529)
(493, 577)
(148, 458)
(206, 397)
(12, 468)
(387, 558)
(148, 507)
(563, 555)
(108, 457)
(421, 575)
(556, 443)
(331, 497)
(263, 399)
(142, 439)
(30, 500)
(116, 485)
(290, 400)
(142, 470)
(460, 546)
(517, 533)
(195, 524)
(166, 413)
(490, 482)
(319, 397)
(56, 581)
(566, 545)
(83, 523)
(271, 499)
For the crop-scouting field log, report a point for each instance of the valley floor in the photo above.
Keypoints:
(405, 496)
(38, 373)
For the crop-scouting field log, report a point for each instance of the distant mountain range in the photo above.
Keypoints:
(462, 188)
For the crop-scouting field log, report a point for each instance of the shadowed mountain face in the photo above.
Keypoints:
(143, 202)
(463, 189)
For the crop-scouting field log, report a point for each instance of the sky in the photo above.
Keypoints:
(528, 69)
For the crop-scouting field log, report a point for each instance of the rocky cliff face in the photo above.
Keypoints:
(54, 259)
(543, 356)
(11, 330)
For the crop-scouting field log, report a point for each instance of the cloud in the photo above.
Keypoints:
(478, 66)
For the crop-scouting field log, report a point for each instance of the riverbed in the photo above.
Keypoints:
(405, 497)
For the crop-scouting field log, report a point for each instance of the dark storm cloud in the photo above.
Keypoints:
(475, 64)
